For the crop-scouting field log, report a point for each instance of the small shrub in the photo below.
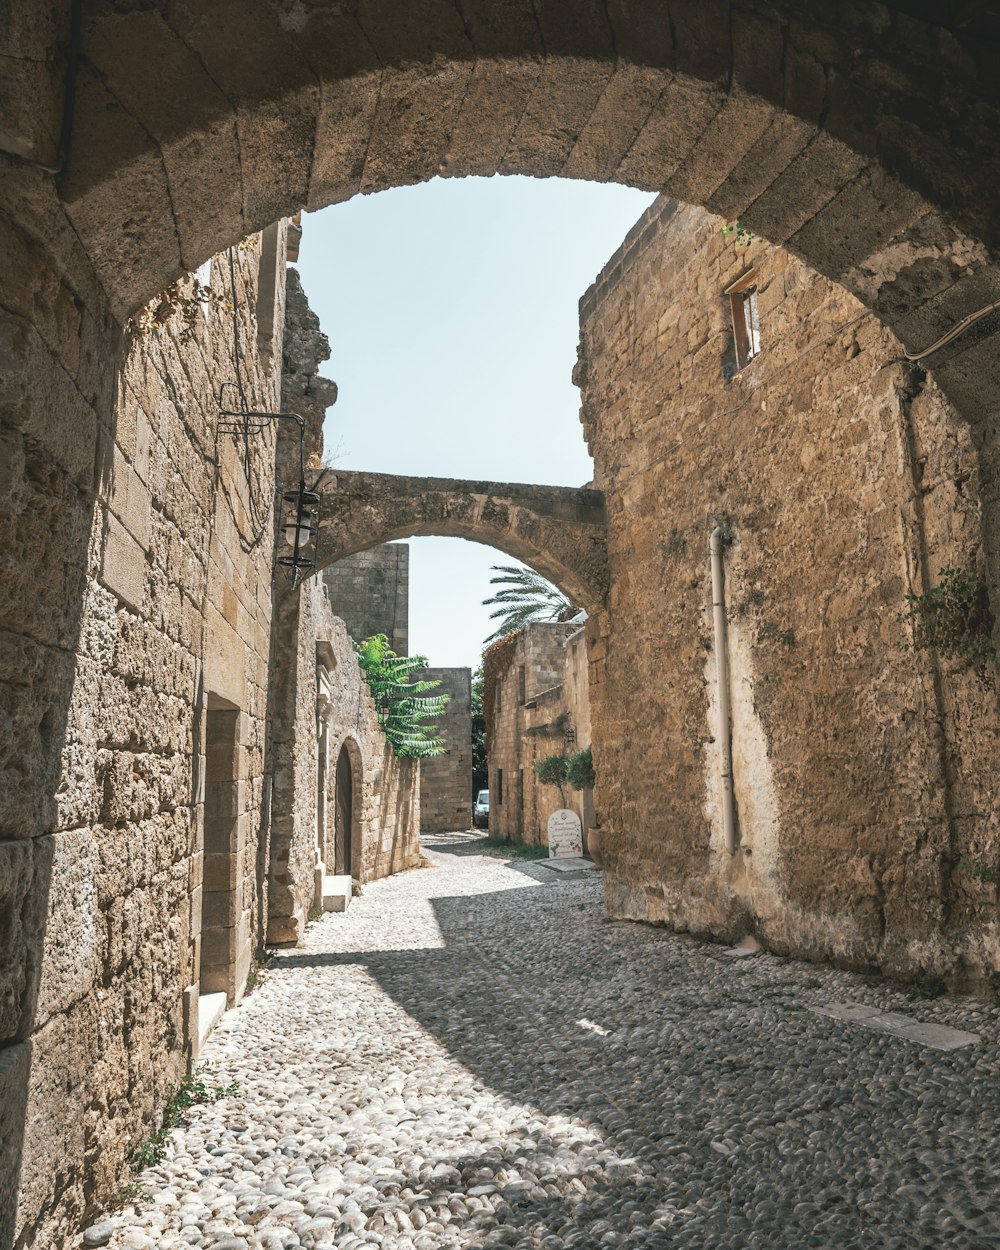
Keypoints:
(255, 977)
(741, 236)
(128, 1195)
(552, 771)
(181, 299)
(580, 770)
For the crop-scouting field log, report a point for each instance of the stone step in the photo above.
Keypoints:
(211, 1008)
(336, 893)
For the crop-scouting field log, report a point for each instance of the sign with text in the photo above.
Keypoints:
(565, 834)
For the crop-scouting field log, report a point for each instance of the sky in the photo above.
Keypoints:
(451, 309)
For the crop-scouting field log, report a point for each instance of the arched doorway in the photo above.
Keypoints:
(343, 815)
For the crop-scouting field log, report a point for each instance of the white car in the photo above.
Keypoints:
(481, 810)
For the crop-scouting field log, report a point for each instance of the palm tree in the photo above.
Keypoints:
(526, 597)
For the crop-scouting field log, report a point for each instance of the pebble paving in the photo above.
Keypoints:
(473, 1056)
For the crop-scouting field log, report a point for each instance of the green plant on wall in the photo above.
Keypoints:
(580, 770)
(770, 632)
(551, 771)
(954, 619)
(576, 771)
(981, 870)
(741, 236)
(182, 299)
(406, 713)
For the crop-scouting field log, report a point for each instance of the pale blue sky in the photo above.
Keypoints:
(451, 309)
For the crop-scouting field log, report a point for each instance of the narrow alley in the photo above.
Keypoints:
(472, 1056)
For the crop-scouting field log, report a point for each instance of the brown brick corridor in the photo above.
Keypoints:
(472, 1057)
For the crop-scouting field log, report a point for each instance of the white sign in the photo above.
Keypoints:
(565, 835)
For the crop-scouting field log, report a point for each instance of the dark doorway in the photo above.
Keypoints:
(344, 816)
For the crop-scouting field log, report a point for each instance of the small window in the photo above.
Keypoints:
(499, 787)
(746, 319)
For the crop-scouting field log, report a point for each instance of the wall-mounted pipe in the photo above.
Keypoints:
(722, 702)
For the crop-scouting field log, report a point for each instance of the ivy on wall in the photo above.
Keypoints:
(954, 619)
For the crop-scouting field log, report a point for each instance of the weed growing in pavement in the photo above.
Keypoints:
(192, 1091)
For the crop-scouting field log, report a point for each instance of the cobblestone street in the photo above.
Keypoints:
(472, 1056)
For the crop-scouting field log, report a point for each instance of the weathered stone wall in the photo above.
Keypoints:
(322, 706)
(135, 614)
(530, 720)
(864, 774)
(370, 592)
(446, 780)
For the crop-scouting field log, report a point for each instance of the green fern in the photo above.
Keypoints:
(405, 710)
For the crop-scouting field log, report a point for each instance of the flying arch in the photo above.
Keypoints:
(559, 531)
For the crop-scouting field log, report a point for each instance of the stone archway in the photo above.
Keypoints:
(140, 140)
(189, 127)
(561, 532)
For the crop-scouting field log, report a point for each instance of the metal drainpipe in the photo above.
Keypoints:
(722, 679)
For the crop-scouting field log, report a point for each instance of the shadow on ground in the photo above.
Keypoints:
(724, 1112)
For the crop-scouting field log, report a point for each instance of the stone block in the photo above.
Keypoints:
(54, 1123)
(193, 123)
(286, 930)
(223, 871)
(197, 911)
(224, 799)
(218, 949)
(124, 491)
(37, 394)
(36, 682)
(495, 101)
(802, 189)
(618, 118)
(123, 564)
(219, 911)
(681, 114)
(25, 869)
(220, 835)
(73, 930)
(132, 241)
(15, 1073)
(274, 154)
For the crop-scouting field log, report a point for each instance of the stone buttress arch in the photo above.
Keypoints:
(559, 531)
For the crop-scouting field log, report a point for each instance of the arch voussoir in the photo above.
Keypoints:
(559, 531)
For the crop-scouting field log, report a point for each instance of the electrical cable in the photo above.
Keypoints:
(954, 332)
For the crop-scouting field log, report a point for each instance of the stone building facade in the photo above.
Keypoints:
(344, 808)
(134, 888)
(731, 388)
(370, 592)
(536, 702)
(139, 825)
(446, 780)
